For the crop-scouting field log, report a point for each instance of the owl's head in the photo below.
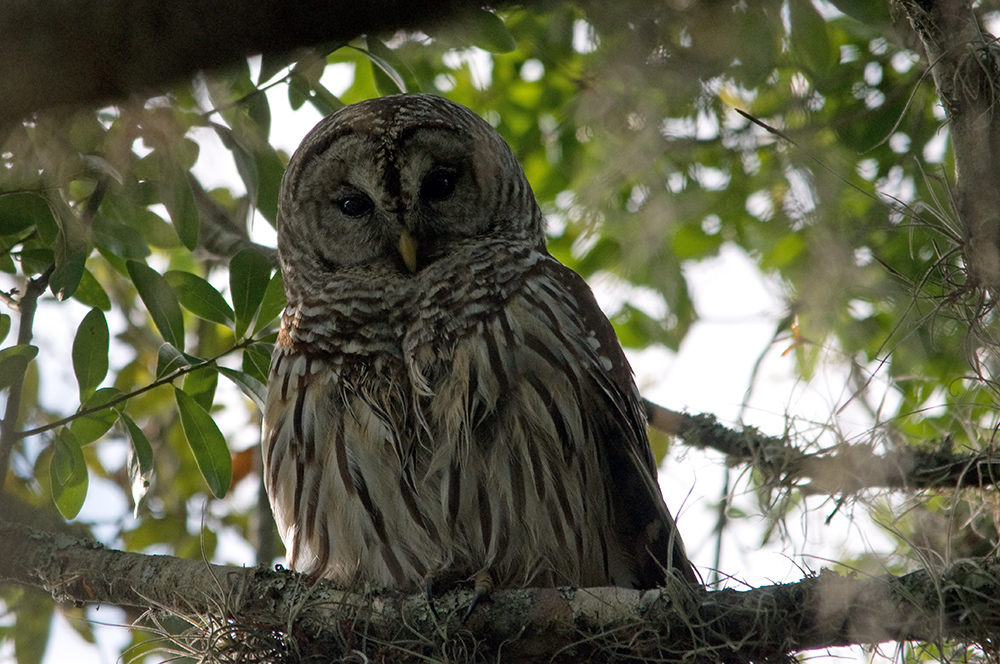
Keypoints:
(394, 184)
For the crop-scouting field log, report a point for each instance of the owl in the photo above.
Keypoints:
(446, 401)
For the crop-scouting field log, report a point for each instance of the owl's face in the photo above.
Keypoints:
(394, 184)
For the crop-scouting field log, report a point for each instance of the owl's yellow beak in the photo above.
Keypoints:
(408, 250)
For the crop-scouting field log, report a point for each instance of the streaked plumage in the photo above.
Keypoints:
(446, 398)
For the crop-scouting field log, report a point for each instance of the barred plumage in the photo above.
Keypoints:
(445, 398)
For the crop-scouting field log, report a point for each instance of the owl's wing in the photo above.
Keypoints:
(641, 518)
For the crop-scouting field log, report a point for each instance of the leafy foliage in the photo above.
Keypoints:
(805, 134)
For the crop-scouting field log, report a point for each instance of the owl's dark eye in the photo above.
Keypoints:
(355, 205)
(439, 184)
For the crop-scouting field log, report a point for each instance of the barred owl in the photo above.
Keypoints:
(446, 401)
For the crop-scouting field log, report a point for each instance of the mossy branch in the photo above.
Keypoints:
(284, 618)
(843, 470)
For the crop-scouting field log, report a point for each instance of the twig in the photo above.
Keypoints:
(111, 403)
(27, 305)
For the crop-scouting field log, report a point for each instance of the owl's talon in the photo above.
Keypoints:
(483, 587)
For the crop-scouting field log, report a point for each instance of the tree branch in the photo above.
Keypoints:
(282, 610)
(965, 64)
(847, 469)
(73, 52)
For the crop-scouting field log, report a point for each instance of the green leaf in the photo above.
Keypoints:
(207, 444)
(299, 91)
(68, 473)
(388, 81)
(259, 167)
(175, 191)
(200, 385)
(866, 11)
(810, 41)
(691, 241)
(200, 297)
(254, 389)
(141, 450)
(273, 303)
(140, 460)
(14, 362)
(271, 64)
(4, 326)
(89, 428)
(249, 276)
(36, 261)
(488, 32)
(168, 360)
(33, 622)
(90, 352)
(21, 211)
(257, 360)
(121, 240)
(91, 293)
(66, 277)
(160, 301)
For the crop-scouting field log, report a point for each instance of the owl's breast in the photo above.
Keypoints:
(360, 317)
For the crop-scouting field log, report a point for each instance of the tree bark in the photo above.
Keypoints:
(91, 52)
(278, 612)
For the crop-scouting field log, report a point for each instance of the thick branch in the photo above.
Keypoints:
(844, 470)
(93, 52)
(966, 69)
(763, 623)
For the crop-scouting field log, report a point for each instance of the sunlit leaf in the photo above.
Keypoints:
(249, 276)
(90, 352)
(68, 474)
(207, 444)
(200, 297)
(140, 460)
(160, 301)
